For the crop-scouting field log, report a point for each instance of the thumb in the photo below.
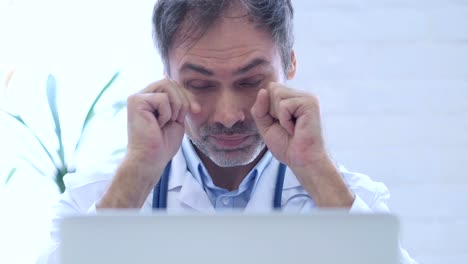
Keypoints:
(260, 111)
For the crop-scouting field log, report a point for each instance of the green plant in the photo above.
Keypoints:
(59, 160)
(10, 174)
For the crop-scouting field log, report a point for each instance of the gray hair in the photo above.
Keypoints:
(199, 15)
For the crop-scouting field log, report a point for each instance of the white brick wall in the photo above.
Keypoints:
(392, 78)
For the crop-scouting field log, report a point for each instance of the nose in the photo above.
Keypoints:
(229, 109)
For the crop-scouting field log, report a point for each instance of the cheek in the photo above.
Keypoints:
(249, 100)
(193, 122)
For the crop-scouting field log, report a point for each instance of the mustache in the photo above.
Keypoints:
(238, 128)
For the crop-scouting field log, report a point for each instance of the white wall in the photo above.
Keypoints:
(392, 78)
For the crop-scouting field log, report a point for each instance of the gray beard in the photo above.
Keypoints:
(230, 158)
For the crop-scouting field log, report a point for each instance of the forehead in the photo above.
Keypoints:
(231, 42)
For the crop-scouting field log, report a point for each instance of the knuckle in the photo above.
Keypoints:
(314, 104)
(282, 105)
(315, 98)
(312, 99)
(151, 87)
(133, 99)
(275, 91)
(160, 97)
(164, 97)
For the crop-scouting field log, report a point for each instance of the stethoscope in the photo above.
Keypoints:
(160, 190)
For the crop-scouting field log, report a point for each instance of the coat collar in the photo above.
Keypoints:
(191, 192)
(193, 195)
(179, 166)
(178, 171)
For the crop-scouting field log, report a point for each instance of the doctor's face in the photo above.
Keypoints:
(224, 71)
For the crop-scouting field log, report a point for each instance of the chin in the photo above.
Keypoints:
(234, 158)
(229, 157)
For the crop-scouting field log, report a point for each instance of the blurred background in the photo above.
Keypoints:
(392, 78)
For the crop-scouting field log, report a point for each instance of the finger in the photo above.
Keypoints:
(158, 104)
(169, 87)
(275, 98)
(261, 111)
(287, 109)
(284, 91)
(153, 87)
(161, 86)
(185, 102)
(189, 103)
(278, 93)
(175, 98)
(194, 106)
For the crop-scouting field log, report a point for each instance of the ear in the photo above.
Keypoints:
(292, 66)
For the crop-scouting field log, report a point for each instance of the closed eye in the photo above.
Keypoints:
(199, 85)
(251, 82)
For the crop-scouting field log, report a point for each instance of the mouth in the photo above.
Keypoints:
(235, 141)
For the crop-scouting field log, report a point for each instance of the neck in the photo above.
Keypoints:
(228, 177)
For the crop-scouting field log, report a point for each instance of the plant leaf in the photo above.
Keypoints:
(10, 174)
(52, 100)
(17, 117)
(118, 151)
(32, 165)
(91, 111)
(59, 180)
(118, 106)
(20, 120)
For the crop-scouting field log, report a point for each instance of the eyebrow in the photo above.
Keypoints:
(254, 63)
(197, 68)
(200, 69)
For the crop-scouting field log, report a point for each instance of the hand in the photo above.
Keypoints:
(289, 122)
(155, 126)
(156, 121)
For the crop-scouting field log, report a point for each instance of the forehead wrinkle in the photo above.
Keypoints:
(226, 47)
(208, 55)
(222, 54)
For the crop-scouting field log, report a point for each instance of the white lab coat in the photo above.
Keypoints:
(185, 194)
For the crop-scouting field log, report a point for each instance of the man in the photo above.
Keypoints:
(221, 123)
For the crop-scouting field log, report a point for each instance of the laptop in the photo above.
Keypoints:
(323, 238)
